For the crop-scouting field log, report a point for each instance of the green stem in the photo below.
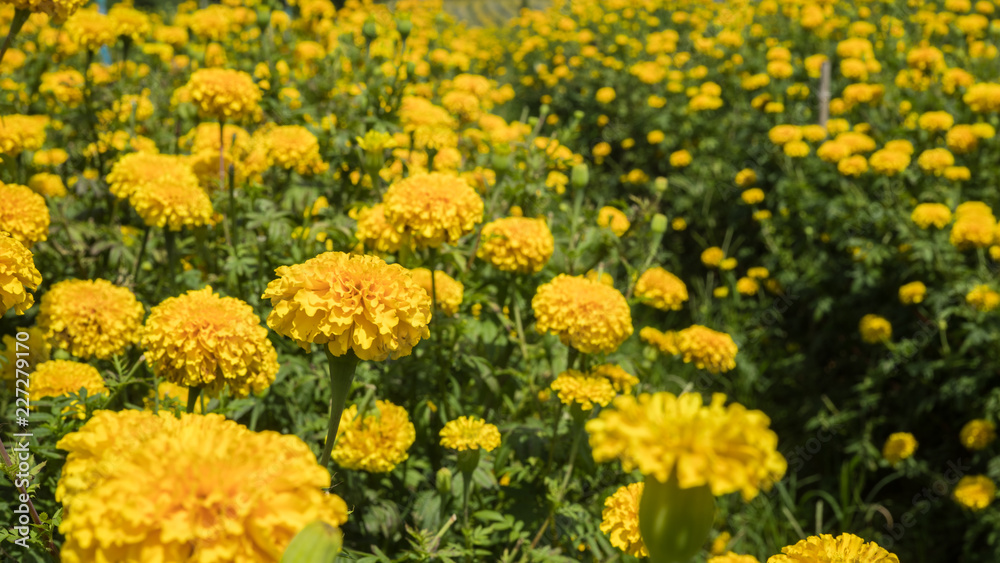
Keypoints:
(577, 434)
(193, 393)
(138, 258)
(171, 257)
(342, 370)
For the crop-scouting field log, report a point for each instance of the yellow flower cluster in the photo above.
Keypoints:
(665, 342)
(585, 390)
(585, 314)
(433, 208)
(56, 378)
(47, 185)
(23, 214)
(889, 162)
(621, 380)
(173, 201)
(376, 444)
(827, 549)
(926, 215)
(912, 293)
(224, 94)
(221, 478)
(875, 329)
(293, 147)
(66, 86)
(975, 492)
(18, 275)
(974, 226)
(470, 433)
(90, 30)
(58, 9)
(728, 448)
(375, 232)
(899, 446)
(19, 133)
(349, 303)
(708, 349)
(448, 292)
(620, 520)
(39, 350)
(203, 340)
(516, 244)
(609, 217)
(133, 172)
(90, 318)
(982, 298)
(661, 289)
(978, 434)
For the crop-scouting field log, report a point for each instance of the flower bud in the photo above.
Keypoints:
(404, 25)
(443, 481)
(580, 176)
(675, 522)
(500, 162)
(660, 184)
(369, 30)
(318, 542)
(659, 224)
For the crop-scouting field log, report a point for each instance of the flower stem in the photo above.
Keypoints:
(193, 393)
(171, 257)
(138, 258)
(342, 370)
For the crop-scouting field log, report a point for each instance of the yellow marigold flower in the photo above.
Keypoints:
(90, 318)
(665, 342)
(983, 97)
(784, 134)
(56, 378)
(957, 173)
(899, 446)
(50, 157)
(752, 196)
(90, 30)
(173, 202)
(982, 298)
(720, 543)
(680, 159)
(912, 293)
(293, 147)
(133, 171)
(172, 397)
(47, 185)
(731, 557)
(376, 444)
(347, 302)
(614, 219)
(758, 273)
(226, 479)
(975, 492)
(927, 214)
(585, 314)
(620, 379)
(661, 289)
(962, 139)
(575, 387)
(129, 22)
(712, 256)
(601, 277)
(796, 149)
(855, 165)
(620, 520)
(23, 214)
(935, 161)
(875, 329)
(720, 292)
(58, 9)
(38, 351)
(65, 86)
(433, 208)
(728, 448)
(375, 232)
(20, 133)
(470, 433)
(727, 264)
(746, 178)
(517, 244)
(833, 151)
(974, 226)
(889, 162)
(605, 95)
(708, 349)
(747, 286)
(975, 435)
(827, 549)
(203, 340)
(448, 290)
(936, 121)
(224, 94)
(18, 275)
(984, 130)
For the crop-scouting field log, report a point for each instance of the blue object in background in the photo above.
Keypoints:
(102, 7)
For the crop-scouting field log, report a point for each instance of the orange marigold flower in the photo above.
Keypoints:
(585, 314)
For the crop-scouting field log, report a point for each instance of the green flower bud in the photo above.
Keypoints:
(404, 25)
(318, 542)
(675, 522)
(580, 176)
(659, 224)
(500, 162)
(369, 30)
(660, 184)
(443, 481)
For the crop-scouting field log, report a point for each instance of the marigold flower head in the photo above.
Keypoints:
(974, 226)
(173, 202)
(200, 339)
(975, 492)
(899, 446)
(47, 185)
(134, 171)
(376, 444)
(18, 275)
(661, 289)
(936, 121)
(620, 379)
(470, 433)
(731, 557)
(978, 434)
(680, 159)
(712, 256)
(912, 293)
(784, 134)
(982, 298)
(224, 94)
(516, 244)
(347, 302)
(796, 149)
(875, 329)
(833, 151)
(90, 318)
(935, 161)
(585, 314)
(728, 448)
(294, 147)
(708, 349)
(854, 165)
(665, 342)
(38, 351)
(605, 95)
(888, 162)
(613, 219)
(50, 157)
(927, 214)
(585, 390)
(620, 520)
(171, 396)
(375, 232)
(752, 196)
(827, 549)
(129, 22)
(962, 139)
(90, 30)
(747, 286)
(23, 214)
(746, 178)
(56, 378)
(65, 86)
(225, 480)
(433, 208)
(58, 9)
(448, 291)
(983, 97)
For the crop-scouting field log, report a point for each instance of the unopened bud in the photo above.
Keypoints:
(659, 223)
(580, 176)
(369, 29)
(443, 481)
(660, 184)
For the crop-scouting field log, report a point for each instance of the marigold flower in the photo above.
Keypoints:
(747, 286)
(728, 448)
(936, 121)
(982, 298)
(983, 97)
(56, 378)
(752, 196)
(712, 256)
(433, 208)
(827, 549)
(58, 9)
(129, 22)
(448, 291)
(39, 350)
(614, 219)
(796, 149)
(731, 557)
(680, 159)
(585, 314)
(875, 329)
(899, 446)
(23, 214)
(666, 342)
(708, 349)
(605, 95)
(855, 165)
(575, 387)
(293, 147)
(66, 86)
(376, 444)
(134, 171)
(935, 161)
(746, 178)
(978, 434)
(975, 492)
(47, 185)
(200, 339)
(833, 151)
(375, 232)
(225, 479)
(347, 302)
(172, 397)
(784, 134)
(928, 214)
(18, 275)
(516, 244)
(974, 226)
(962, 139)
(912, 293)
(90, 318)
(90, 30)
(470, 433)
(173, 202)
(661, 289)
(620, 520)
(888, 162)
(224, 94)
(620, 379)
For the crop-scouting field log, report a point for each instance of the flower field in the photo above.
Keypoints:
(615, 280)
